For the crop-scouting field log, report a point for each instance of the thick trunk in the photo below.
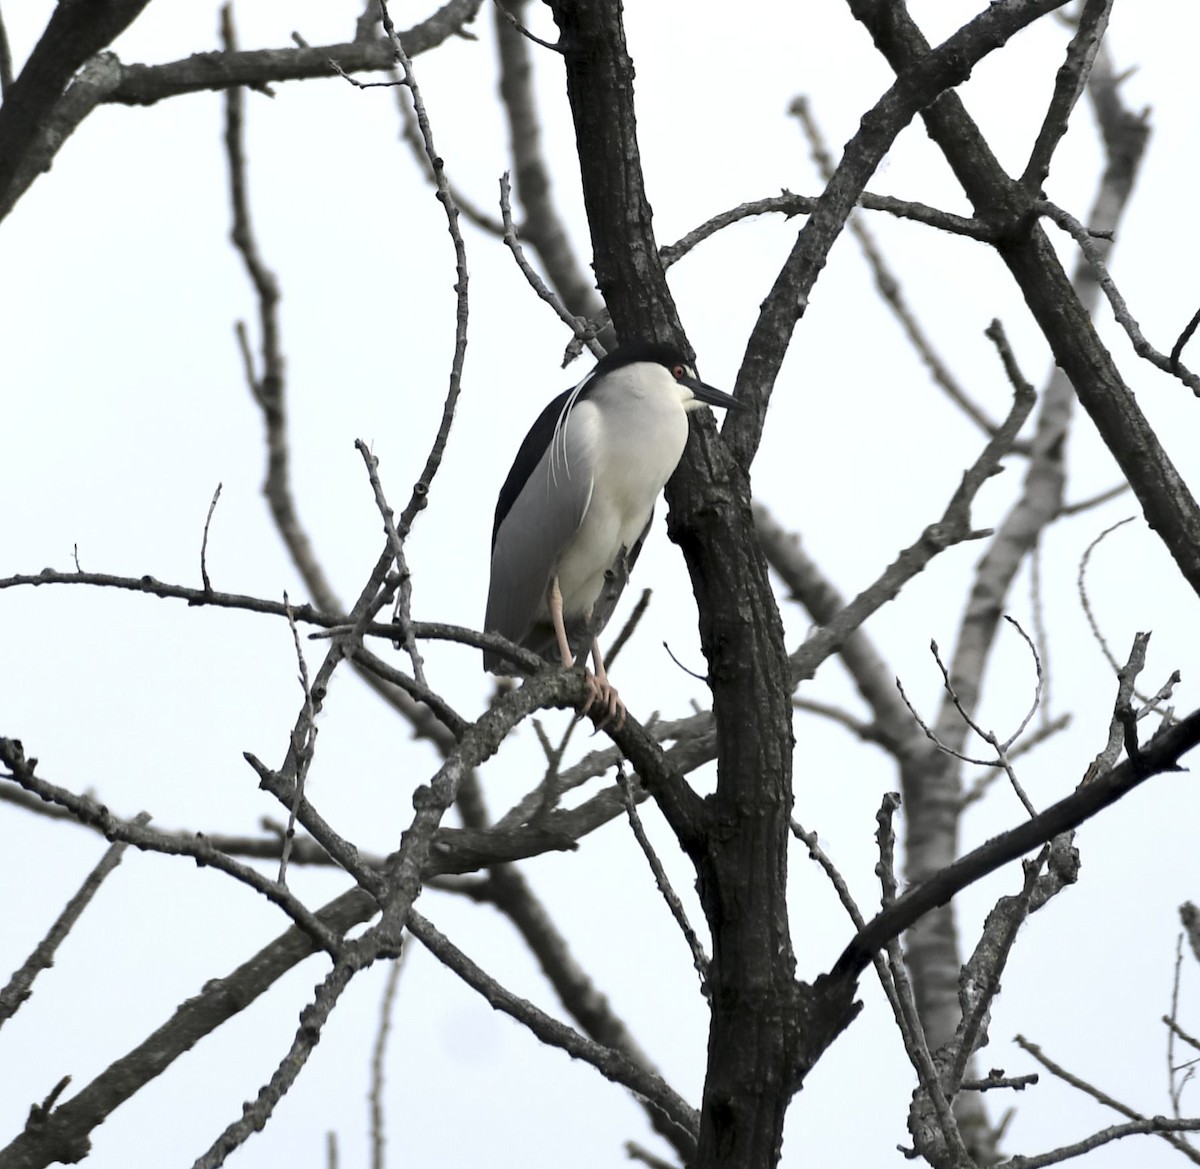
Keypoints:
(739, 846)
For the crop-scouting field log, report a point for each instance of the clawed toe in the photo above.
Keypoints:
(602, 694)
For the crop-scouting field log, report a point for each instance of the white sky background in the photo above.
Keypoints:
(123, 405)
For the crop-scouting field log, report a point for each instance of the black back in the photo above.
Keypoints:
(533, 446)
(541, 433)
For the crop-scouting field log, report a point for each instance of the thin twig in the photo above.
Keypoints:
(1002, 759)
(1103, 1098)
(842, 889)
(507, 890)
(1182, 340)
(402, 613)
(420, 494)
(343, 852)
(410, 132)
(1091, 501)
(335, 67)
(953, 528)
(810, 586)
(869, 732)
(266, 378)
(305, 850)
(1039, 690)
(378, 1052)
(789, 204)
(204, 542)
(548, 790)
(629, 628)
(95, 815)
(441, 709)
(1041, 636)
(915, 1042)
(1156, 1126)
(1161, 695)
(543, 740)
(1141, 346)
(1191, 1040)
(337, 626)
(611, 1064)
(699, 957)
(886, 281)
(365, 53)
(1175, 1085)
(682, 668)
(20, 986)
(635, 1152)
(39, 1114)
(508, 16)
(1081, 584)
(304, 738)
(583, 330)
(997, 1079)
(542, 225)
(996, 334)
(285, 784)
(978, 787)
(811, 841)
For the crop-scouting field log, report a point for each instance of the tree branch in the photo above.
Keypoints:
(20, 986)
(611, 1064)
(1068, 89)
(1161, 754)
(32, 133)
(1102, 1097)
(78, 30)
(147, 84)
(1168, 503)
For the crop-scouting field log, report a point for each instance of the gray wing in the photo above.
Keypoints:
(540, 522)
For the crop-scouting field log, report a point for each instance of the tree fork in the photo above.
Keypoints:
(741, 851)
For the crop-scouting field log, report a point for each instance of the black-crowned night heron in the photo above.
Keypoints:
(578, 502)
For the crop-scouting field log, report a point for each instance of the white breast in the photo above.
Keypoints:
(639, 429)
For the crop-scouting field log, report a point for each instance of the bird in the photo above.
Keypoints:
(577, 504)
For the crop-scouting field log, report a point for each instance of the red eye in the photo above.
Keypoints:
(678, 372)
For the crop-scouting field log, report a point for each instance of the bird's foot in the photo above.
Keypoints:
(602, 695)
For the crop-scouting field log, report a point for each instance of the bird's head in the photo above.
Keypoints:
(665, 367)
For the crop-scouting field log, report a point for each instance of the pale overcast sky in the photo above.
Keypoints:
(124, 405)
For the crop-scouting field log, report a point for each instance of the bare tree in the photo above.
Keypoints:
(734, 836)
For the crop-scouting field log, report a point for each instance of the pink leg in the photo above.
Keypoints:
(599, 688)
(554, 600)
(607, 694)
